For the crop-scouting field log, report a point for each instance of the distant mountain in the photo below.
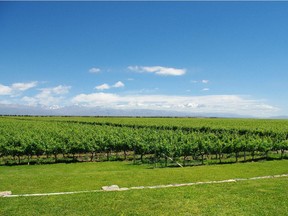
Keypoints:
(21, 110)
(279, 117)
(100, 111)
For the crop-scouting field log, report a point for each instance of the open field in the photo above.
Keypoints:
(258, 197)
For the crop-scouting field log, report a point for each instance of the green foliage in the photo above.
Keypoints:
(155, 139)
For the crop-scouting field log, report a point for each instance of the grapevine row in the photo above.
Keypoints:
(27, 140)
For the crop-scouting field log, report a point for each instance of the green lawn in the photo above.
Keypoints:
(258, 197)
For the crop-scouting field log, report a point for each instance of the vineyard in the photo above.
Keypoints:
(158, 141)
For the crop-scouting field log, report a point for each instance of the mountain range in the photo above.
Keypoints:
(100, 111)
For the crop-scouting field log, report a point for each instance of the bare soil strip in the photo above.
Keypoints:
(117, 188)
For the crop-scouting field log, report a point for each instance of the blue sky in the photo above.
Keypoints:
(193, 57)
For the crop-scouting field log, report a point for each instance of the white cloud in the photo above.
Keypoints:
(58, 89)
(118, 84)
(232, 104)
(201, 81)
(106, 86)
(23, 86)
(5, 90)
(158, 70)
(16, 88)
(48, 96)
(134, 68)
(95, 98)
(103, 87)
(94, 70)
(205, 89)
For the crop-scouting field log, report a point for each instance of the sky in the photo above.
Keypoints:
(228, 58)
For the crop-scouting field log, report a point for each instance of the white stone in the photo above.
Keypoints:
(111, 188)
(5, 193)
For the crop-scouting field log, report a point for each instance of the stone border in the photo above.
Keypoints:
(117, 188)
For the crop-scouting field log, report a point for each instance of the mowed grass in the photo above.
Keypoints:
(261, 197)
(254, 197)
(92, 176)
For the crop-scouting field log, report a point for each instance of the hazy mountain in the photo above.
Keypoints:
(100, 111)
(279, 117)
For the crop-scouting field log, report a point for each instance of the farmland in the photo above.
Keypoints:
(85, 153)
(157, 141)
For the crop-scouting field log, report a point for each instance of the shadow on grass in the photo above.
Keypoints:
(39, 162)
(196, 163)
(147, 162)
